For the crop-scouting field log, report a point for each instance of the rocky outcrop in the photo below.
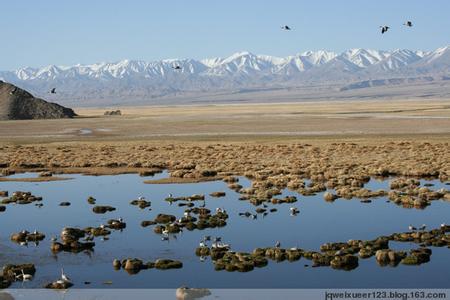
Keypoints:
(18, 104)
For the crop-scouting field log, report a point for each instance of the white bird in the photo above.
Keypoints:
(26, 277)
(53, 239)
(443, 225)
(186, 214)
(141, 198)
(277, 244)
(18, 277)
(64, 277)
(165, 231)
(120, 219)
(35, 232)
(294, 210)
(202, 244)
(170, 195)
(412, 228)
(423, 227)
(102, 226)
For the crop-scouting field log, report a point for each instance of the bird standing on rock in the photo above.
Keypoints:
(412, 228)
(277, 244)
(64, 277)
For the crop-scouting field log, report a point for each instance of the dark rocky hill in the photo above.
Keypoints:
(18, 104)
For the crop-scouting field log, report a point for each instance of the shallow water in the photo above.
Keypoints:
(318, 222)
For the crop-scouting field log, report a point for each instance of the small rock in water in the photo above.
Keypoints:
(91, 200)
(102, 209)
(217, 194)
(59, 285)
(184, 293)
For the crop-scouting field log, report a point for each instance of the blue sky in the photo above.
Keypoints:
(38, 33)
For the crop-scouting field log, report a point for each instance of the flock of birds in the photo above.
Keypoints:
(422, 228)
(28, 277)
(383, 28)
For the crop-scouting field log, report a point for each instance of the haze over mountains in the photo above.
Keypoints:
(307, 75)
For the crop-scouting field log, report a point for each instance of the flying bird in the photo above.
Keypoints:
(408, 23)
(176, 68)
(384, 29)
(285, 27)
(53, 91)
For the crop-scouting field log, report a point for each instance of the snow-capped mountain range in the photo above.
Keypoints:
(148, 80)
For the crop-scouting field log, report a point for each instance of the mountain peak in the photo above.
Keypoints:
(240, 70)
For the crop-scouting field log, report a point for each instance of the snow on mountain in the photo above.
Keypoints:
(128, 78)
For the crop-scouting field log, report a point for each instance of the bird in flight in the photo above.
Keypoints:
(408, 23)
(285, 27)
(176, 68)
(384, 29)
(53, 91)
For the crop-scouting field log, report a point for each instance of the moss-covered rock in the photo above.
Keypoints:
(164, 219)
(165, 264)
(101, 209)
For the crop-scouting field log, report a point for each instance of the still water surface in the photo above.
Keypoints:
(318, 222)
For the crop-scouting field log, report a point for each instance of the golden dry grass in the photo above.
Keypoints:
(276, 144)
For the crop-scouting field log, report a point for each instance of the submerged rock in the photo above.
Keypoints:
(164, 219)
(218, 194)
(147, 223)
(101, 209)
(165, 264)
